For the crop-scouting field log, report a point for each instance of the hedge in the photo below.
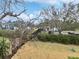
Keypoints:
(6, 33)
(65, 39)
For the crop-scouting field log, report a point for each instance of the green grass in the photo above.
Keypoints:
(73, 57)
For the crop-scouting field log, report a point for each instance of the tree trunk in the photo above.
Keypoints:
(59, 31)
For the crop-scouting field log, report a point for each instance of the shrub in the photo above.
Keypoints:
(17, 33)
(43, 37)
(65, 39)
(4, 46)
(73, 50)
(7, 33)
(2, 32)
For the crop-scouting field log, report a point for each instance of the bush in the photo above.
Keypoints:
(17, 33)
(4, 46)
(6, 33)
(65, 39)
(2, 32)
(13, 34)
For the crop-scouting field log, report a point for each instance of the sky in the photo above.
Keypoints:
(35, 6)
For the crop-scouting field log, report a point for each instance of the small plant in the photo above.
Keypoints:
(3, 48)
(73, 57)
(73, 50)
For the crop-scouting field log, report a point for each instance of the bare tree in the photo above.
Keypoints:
(69, 15)
(13, 8)
(52, 17)
(63, 18)
(8, 8)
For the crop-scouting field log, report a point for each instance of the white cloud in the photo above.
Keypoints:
(23, 16)
(8, 18)
(31, 16)
(52, 1)
(43, 1)
(76, 1)
(67, 1)
(26, 17)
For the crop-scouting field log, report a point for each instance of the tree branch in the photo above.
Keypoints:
(11, 14)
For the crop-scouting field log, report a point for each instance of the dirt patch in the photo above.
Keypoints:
(42, 50)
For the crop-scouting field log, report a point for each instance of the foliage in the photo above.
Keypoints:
(7, 33)
(17, 33)
(4, 46)
(65, 39)
(14, 33)
(73, 50)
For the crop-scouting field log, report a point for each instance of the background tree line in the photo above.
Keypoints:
(65, 18)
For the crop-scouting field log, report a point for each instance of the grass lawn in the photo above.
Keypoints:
(46, 50)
